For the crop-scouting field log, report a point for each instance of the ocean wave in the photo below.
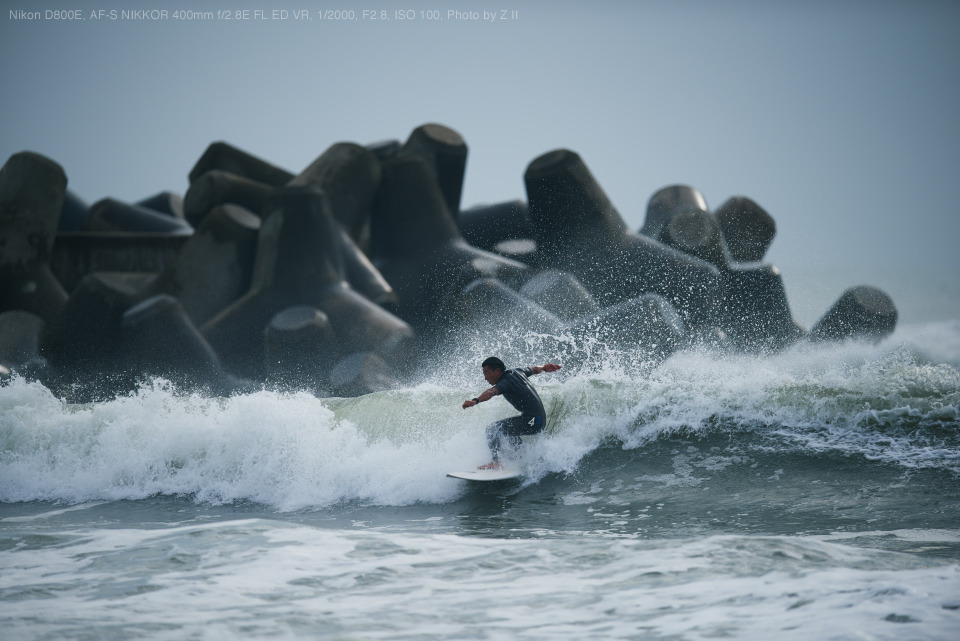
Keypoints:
(889, 403)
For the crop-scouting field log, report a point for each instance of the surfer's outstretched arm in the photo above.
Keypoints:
(485, 396)
(549, 367)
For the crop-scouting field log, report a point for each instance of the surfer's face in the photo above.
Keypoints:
(491, 375)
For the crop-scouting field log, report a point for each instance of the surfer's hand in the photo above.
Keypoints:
(467, 404)
(551, 367)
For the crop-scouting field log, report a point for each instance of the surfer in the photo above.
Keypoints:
(515, 386)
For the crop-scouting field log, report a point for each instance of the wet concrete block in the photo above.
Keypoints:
(218, 187)
(362, 373)
(568, 208)
(73, 213)
(350, 175)
(32, 288)
(420, 251)
(647, 327)
(485, 226)
(756, 315)
(747, 228)
(384, 149)
(697, 233)
(84, 339)
(32, 191)
(298, 263)
(861, 312)
(299, 347)
(109, 215)
(362, 275)
(491, 305)
(410, 211)
(215, 265)
(76, 254)
(578, 230)
(158, 339)
(666, 202)
(361, 324)
(165, 202)
(523, 250)
(20, 334)
(560, 293)
(224, 156)
(445, 152)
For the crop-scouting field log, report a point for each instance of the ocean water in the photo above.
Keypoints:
(811, 494)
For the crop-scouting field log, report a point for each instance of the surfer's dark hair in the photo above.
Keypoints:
(494, 363)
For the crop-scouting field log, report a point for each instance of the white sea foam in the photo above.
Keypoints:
(288, 451)
(889, 402)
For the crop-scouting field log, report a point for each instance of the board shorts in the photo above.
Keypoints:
(510, 430)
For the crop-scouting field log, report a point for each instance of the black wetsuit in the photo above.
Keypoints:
(516, 388)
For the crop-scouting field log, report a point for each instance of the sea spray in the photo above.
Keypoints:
(289, 451)
(284, 450)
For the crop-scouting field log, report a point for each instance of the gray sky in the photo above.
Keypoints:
(842, 119)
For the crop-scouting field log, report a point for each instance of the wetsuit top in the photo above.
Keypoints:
(516, 388)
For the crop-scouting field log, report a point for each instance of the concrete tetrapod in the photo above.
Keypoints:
(445, 152)
(696, 232)
(165, 202)
(485, 226)
(83, 344)
(860, 312)
(560, 293)
(578, 230)
(298, 263)
(755, 314)
(32, 190)
(226, 157)
(361, 273)
(747, 228)
(646, 328)
(350, 175)
(419, 250)
(489, 304)
(384, 149)
(218, 187)
(499, 319)
(73, 213)
(109, 215)
(299, 347)
(215, 265)
(77, 254)
(159, 340)
(666, 202)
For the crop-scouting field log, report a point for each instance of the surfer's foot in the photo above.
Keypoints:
(495, 465)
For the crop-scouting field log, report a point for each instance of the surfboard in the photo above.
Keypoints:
(502, 474)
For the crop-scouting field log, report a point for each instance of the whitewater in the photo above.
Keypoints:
(811, 493)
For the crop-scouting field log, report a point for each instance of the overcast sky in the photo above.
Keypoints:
(842, 119)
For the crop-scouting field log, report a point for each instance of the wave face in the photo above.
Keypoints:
(769, 429)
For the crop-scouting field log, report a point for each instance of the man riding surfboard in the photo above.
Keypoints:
(514, 385)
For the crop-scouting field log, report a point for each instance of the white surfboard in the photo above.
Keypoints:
(501, 474)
